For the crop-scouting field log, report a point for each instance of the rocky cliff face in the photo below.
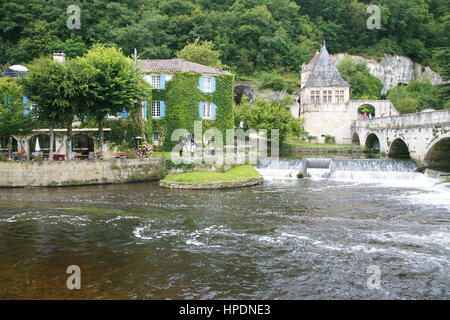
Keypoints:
(392, 70)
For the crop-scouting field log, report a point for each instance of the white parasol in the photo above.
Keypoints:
(18, 68)
(37, 148)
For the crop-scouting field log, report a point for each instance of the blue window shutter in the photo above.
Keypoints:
(163, 81)
(26, 111)
(145, 109)
(200, 109)
(200, 83)
(163, 109)
(213, 84)
(124, 114)
(213, 110)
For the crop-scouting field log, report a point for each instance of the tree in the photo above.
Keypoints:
(269, 115)
(44, 86)
(12, 118)
(202, 53)
(364, 86)
(416, 96)
(112, 84)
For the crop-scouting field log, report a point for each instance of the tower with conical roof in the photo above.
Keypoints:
(324, 97)
(322, 83)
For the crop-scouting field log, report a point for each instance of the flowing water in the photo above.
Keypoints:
(287, 239)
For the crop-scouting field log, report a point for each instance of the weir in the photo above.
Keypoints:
(363, 169)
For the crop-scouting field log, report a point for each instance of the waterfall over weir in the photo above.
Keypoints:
(364, 169)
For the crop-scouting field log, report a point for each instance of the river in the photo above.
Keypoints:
(287, 239)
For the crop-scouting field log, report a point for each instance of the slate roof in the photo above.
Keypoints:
(325, 73)
(312, 63)
(178, 65)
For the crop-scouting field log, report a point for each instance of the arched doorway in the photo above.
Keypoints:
(82, 143)
(438, 156)
(367, 109)
(373, 143)
(399, 150)
(355, 140)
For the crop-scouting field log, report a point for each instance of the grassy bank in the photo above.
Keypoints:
(236, 174)
(296, 142)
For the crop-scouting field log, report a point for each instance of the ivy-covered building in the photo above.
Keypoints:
(185, 92)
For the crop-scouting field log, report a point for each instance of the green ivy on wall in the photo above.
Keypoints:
(182, 98)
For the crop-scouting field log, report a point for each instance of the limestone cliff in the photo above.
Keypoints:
(392, 70)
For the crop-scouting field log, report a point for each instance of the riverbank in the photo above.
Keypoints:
(242, 176)
(72, 173)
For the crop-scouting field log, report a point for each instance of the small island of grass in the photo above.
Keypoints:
(242, 176)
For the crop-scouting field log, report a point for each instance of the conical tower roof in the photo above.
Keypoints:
(325, 73)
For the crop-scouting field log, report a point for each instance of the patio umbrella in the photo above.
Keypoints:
(37, 148)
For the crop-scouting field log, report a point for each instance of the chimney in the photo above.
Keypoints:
(59, 56)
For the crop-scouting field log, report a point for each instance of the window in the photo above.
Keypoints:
(325, 97)
(312, 97)
(156, 109)
(336, 96)
(207, 84)
(341, 96)
(207, 110)
(317, 97)
(155, 81)
(330, 96)
(155, 136)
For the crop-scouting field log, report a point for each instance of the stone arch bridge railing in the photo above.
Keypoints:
(425, 135)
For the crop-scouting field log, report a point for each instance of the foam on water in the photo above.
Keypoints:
(379, 173)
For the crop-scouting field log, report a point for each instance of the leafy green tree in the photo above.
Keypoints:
(269, 115)
(113, 84)
(364, 86)
(203, 53)
(44, 87)
(416, 96)
(13, 122)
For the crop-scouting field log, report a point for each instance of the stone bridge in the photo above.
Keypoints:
(423, 136)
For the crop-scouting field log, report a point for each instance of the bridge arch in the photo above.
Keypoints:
(373, 142)
(438, 155)
(399, 150)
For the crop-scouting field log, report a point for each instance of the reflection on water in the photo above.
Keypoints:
(290, 239)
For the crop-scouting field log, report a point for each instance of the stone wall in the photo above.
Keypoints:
(63, 173)
(213, 185)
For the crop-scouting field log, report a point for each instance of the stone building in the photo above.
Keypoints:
(325, 101)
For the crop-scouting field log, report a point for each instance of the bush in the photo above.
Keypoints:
(132, 155)
(273, 81)
(330, 139)
(39, 159)
(311, 139)
(3, 158)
